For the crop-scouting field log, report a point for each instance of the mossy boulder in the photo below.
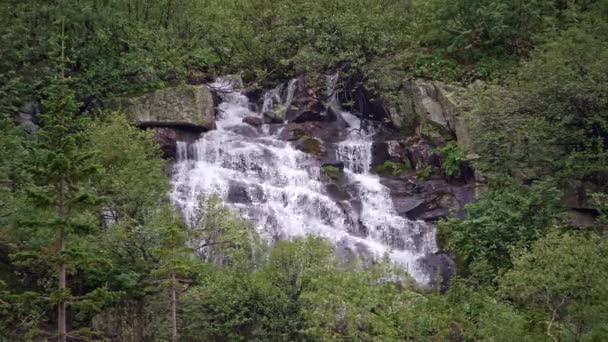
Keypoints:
(331, 172)
(184, 106)
(311, 145)
(276, 116)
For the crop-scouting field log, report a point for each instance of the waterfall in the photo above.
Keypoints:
(280, 189)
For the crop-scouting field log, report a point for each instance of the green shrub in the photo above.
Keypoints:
(507, 216)
(455, 160)
(391, 168)
(330, 172)
(425, 172)
(438, 67)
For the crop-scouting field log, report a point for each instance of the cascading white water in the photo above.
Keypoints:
(280, 189)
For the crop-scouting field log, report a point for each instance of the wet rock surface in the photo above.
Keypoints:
(253, 121)
(168, 137)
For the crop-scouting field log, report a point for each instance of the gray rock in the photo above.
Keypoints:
(365, 103)
(237, 193)
(245, 130)
(337, 193)
(273, 118)
(27, 116)
(429, 200)
(186, 106)
(253, 121)
(433, 102)
(390, 150)
(404, 205)
(442, 268)
(311, 145)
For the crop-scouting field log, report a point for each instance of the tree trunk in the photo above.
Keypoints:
(168, 13)
(173, 309)
(61, 313)
(141, 319)
(62, 329)
(61, 317)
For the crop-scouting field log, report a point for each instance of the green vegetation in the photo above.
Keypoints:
(392, 168)
(90, 249)
(562, 279)
(425, 172)
(507, 216)
(331, 172)
(454, 160)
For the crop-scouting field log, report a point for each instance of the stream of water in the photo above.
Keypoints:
(280, 189)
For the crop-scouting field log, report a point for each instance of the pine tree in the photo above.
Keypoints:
(61, 171)
(176, 270)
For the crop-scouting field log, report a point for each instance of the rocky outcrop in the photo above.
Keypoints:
(391, 150)
(432, 102)
(431, 199)
(578, 202)
(307, 103)
(417, 152)
(363, 102)
(327, 132)
(187, 106)
(178, 113)
(27, 116)
(411, 169)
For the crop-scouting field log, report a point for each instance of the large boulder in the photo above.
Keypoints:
(185, 106)
(253, 121)
(415, 152)
(311, 145)
(327, 131)
(307, 102)
(434, 103)
(390, 150)
(429, 200)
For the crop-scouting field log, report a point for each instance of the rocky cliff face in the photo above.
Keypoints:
(433, 102)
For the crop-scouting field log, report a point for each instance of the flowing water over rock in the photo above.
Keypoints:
(281, 189)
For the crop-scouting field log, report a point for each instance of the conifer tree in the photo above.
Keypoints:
(176, 270)
(61, 171)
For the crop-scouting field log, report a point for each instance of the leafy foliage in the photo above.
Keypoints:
(392, 168)
(454, 160)
(133, 180)
(505, 217)
(564, 276)
(552, 117)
